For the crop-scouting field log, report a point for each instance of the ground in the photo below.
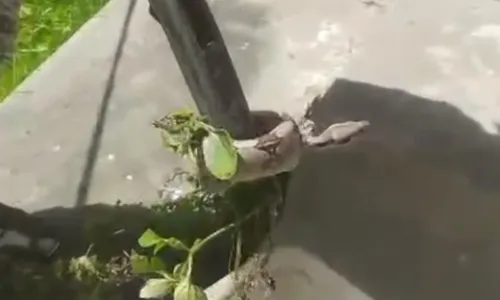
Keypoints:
(409, 211)
(44, 26)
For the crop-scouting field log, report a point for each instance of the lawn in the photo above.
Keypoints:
(45, 25)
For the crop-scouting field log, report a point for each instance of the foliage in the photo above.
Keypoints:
(208, 147)
(179, 280)
(45, 25)
(191, 136)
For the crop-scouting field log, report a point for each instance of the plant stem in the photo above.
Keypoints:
(196, 247)
(190, 265)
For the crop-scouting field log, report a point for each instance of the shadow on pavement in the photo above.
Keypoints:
(110, 230)
(113, 229)
(95, 142)
(242, 25)
(409, 210)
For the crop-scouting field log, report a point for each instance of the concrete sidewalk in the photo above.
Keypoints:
(78, 131)
(409, 211)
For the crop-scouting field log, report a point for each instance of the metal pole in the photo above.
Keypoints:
(205, 63)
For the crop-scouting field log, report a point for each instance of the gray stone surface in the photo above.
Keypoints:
(409, 211)
(52, 128)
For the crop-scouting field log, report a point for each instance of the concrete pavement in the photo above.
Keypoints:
(409, 211)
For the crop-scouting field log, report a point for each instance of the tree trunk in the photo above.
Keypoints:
(9, 23)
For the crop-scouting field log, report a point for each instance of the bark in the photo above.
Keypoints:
(9, 23)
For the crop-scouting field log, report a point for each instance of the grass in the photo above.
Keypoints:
(45, 25)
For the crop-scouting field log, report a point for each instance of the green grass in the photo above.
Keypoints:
(45, 25)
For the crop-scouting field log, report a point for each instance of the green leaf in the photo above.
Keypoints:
(157, 264)
(176, 244)
(142, 264)
(188, 291)
(149, 238)
(180, 270)
(139, 263)
(156, 288)
(221, 156)
(25, 11)
(172, 243)
(159, 246)
(176, 140)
